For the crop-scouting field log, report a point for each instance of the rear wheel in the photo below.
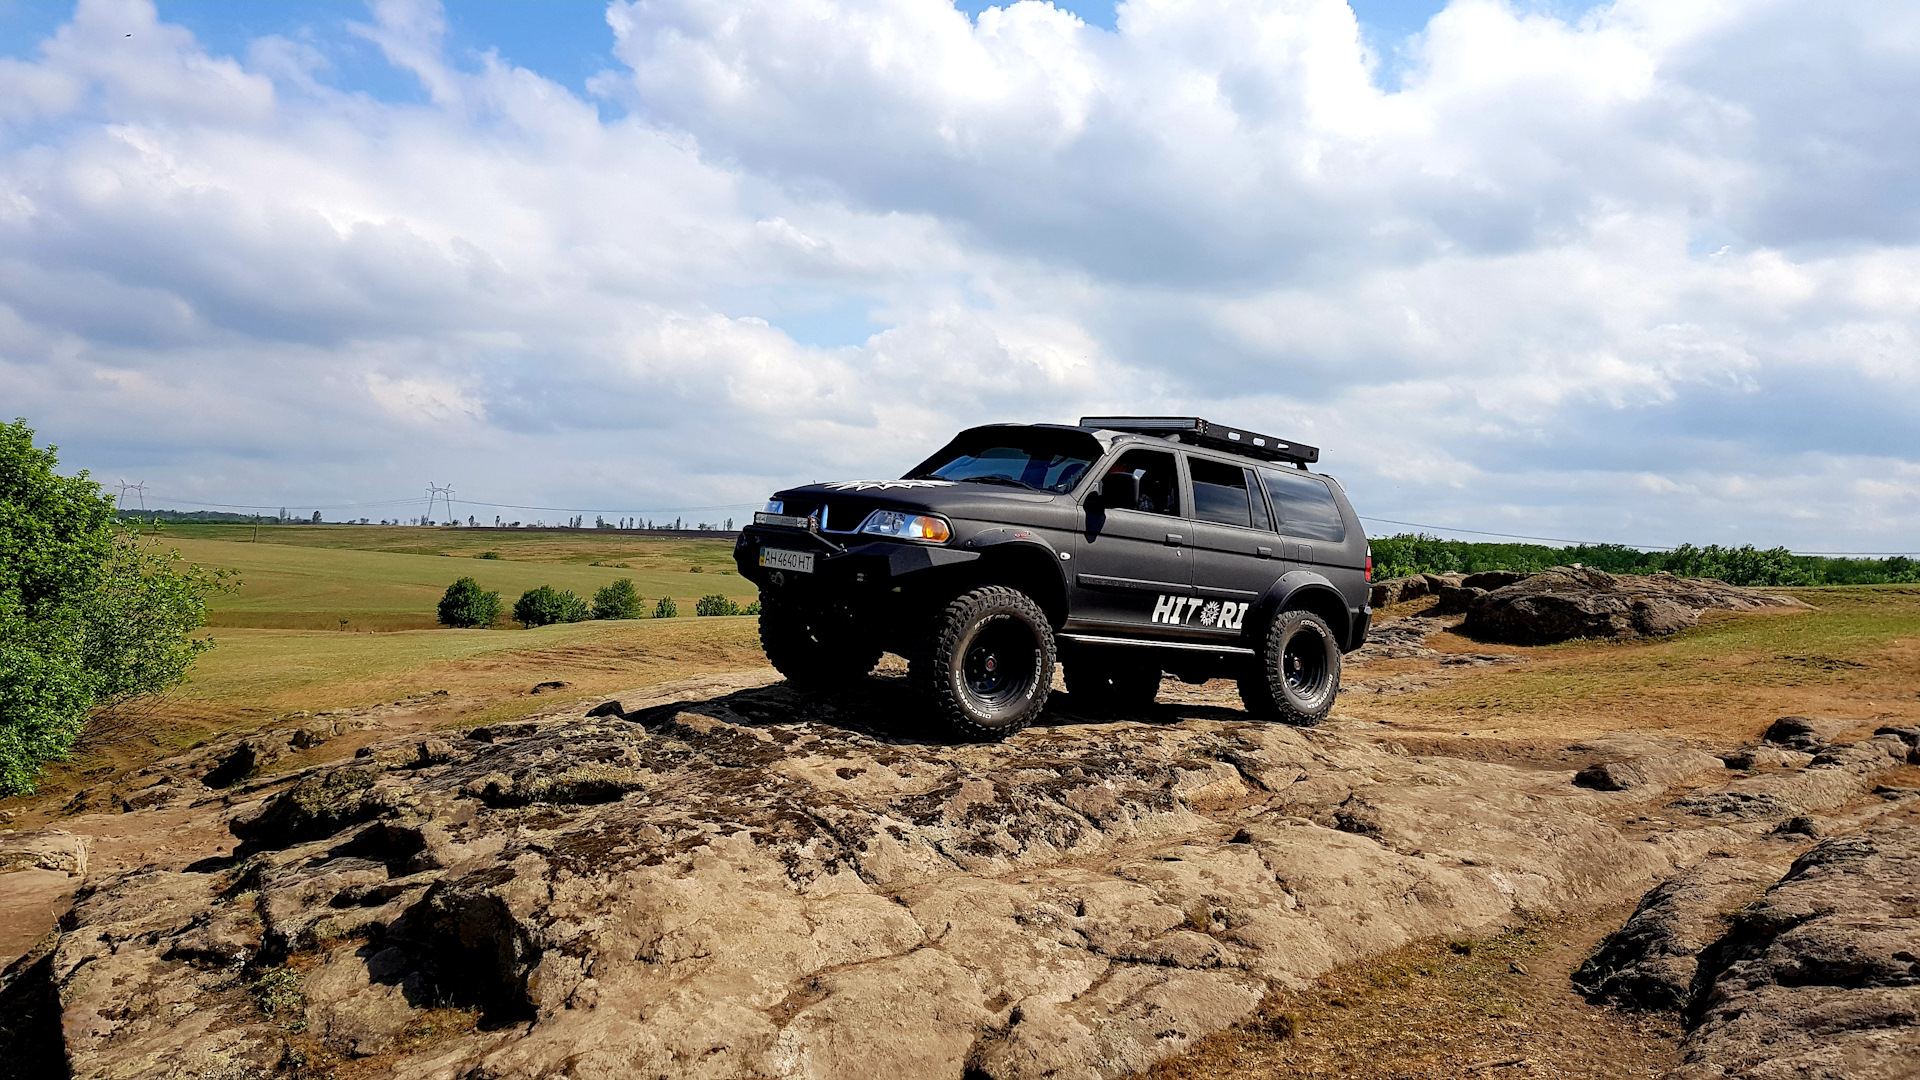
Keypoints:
(986, 667)
(1296, 674)
(1109, 681)
(816, 646)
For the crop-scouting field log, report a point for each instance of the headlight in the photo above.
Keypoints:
(775, 506)
(906, 526)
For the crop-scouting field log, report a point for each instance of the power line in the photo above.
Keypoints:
(1608, 543)
(472, 502)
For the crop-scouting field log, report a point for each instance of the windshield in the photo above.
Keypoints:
(1028, 458)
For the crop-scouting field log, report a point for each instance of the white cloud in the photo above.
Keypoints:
(1650, 275)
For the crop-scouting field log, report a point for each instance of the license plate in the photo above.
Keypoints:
(782, 559)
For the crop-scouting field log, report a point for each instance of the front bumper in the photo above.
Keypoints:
(863, 563)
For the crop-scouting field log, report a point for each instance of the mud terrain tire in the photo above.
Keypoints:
(1296, 672)
(1105, 682)
(987, 664)
(815, 648)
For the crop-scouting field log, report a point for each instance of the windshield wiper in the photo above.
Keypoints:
(997, 480)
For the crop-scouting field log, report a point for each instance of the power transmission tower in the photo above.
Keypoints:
(139, 489)
(435, 491)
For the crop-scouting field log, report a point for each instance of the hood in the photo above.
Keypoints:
(844, 504)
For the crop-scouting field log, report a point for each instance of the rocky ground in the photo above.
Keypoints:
(726, 878)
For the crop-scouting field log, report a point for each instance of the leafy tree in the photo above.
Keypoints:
(619, 600)
(545, 604)
(89, 617)
(715, 604)
(467, 605)
(666, 608)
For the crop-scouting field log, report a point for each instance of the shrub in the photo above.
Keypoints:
(715, 604)
(89, 618)
(752, 608)
(488, 555)
(619, 600)
(666, 608)
(545, 604)
(696, 570)
(467, 605)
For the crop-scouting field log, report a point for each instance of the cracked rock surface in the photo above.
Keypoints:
(765, 884)
(1567, 602)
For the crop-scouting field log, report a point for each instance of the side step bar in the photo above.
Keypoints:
(1190, 646)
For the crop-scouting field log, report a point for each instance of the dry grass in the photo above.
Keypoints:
(1435, 1010)
(1855, 656)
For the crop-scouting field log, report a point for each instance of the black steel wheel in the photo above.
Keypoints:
(986, 667)
(1296, 672)
(1107, 682)
(817, 645)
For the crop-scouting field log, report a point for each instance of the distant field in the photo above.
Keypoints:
(371, 579)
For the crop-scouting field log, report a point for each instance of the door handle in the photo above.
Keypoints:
(1174, 539)
(1265, 551)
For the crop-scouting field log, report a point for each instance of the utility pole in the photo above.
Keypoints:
(435, 491)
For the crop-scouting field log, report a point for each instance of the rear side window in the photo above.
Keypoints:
(1305, 506)
(1220, 492)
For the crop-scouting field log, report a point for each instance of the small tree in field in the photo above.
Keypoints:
(467, 605)
(666, 608)
(619, 600)
(545, 605)
(715, 604)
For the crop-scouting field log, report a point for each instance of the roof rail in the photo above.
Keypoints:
(1200, 432)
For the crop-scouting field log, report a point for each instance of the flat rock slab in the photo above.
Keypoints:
(768, 884)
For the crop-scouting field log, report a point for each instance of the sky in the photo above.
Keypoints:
(1645, 271)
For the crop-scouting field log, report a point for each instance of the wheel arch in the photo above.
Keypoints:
(1306, 591)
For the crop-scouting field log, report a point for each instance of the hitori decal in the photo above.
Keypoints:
(1188, 610)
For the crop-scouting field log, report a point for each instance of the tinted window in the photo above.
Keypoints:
(1159, 483)
(1260, 520)
(1219, 492)
(1305, 506)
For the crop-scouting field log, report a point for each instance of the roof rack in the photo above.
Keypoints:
(1200, 432)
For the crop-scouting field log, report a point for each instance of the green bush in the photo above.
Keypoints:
(752, 608)
(544, 604)
(715, 604)
(89, 617)
(488, 555)
(467, 605)
(619, 600)
(666, 608)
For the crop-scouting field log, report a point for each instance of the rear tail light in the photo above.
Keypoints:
(1369, 566)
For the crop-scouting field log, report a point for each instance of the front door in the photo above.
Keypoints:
(1131, 564)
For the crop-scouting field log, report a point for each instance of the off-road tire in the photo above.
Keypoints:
(986, 664)
(1106, 682)
(815, 647)
(1296, 672)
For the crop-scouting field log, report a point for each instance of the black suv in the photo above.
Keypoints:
(1123, 547)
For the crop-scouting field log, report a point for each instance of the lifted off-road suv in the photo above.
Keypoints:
(1123, 547)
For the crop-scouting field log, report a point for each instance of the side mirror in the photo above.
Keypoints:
(1120, 491)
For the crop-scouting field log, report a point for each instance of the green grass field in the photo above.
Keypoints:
(367, 578)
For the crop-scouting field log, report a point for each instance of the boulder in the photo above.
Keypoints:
(1566, 603)
(1652, 770)
(1398, 590)
(1804, 733)
(1820, 978)
(44, 849)
(1489, 580)
(1456, 599)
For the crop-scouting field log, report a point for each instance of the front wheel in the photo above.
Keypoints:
(987, 665)
(1296, 672)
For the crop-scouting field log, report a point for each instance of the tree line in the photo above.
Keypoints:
(1419, 553)
(468, 606)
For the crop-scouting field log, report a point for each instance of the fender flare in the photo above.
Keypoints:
(1010, 541)
(1310, 590)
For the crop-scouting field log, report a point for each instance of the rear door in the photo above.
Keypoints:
(1236, 556)
(1131, 563)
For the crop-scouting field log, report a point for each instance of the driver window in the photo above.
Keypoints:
(1159, 479)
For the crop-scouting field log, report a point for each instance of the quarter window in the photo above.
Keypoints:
(1220, 492)
(1305, 506)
